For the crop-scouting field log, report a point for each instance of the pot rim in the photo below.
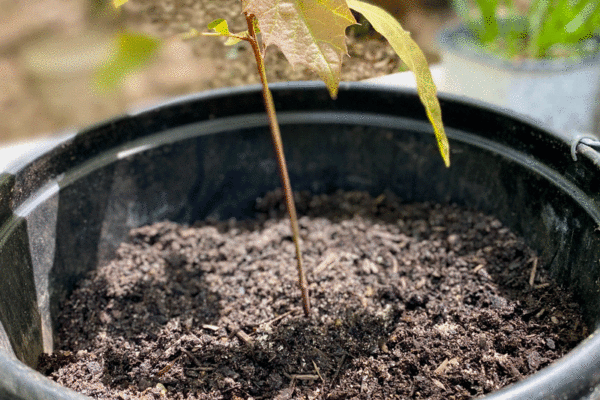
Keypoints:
(460, 41)
(576, 372)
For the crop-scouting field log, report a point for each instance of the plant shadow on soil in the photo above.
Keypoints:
(436, 305)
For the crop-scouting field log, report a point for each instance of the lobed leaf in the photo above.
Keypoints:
(414, 58)
(308, 32)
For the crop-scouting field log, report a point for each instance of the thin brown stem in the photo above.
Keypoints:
(283, 172)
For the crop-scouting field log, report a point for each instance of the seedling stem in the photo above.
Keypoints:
(278, 147)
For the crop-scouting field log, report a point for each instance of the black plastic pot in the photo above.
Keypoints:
(210, 155)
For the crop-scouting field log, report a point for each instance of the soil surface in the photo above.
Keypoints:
(418, 301)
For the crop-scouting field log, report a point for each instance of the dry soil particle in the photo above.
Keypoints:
(417, 301)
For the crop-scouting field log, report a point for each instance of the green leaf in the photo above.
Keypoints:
(489, 26)
(538, 14)
(577, 25)
(461, 7)
(132, 52)
(308, 32)
(219, 26)
(414, 58)
(119, 3)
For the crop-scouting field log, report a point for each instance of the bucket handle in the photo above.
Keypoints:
(584, 139)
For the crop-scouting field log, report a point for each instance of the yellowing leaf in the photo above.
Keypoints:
(414, 58)
(308, 32)
(119, 3)
(192, 33)
(231, 40)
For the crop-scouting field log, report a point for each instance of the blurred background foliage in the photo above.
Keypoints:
(51, 51)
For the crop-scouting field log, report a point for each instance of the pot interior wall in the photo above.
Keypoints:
(68, 211)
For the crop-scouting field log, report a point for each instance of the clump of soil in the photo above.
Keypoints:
(418, 301)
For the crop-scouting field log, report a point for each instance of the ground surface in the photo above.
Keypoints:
(408, 301)
(32, 104)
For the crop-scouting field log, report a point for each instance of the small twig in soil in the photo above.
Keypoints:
(395, 266)
(542, 285)
(213, 328)
(538, 315)
(337, 371)
(168, 367)
(438, 384)
(412, 390)
(238, 386)
(195, 360)
(278, 318)
(533, 271)
(403, 282)
(302, 377)
(330, 259)
(196, 338)
(441, 368)
(478, 268)
(317, 371)
(243, 336)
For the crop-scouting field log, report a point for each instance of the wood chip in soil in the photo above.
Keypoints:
(420, 301)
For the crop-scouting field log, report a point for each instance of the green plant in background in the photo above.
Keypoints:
(310, 33)
(132, 51)
(548, 28)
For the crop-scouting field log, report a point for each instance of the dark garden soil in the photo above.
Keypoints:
(417, 301)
